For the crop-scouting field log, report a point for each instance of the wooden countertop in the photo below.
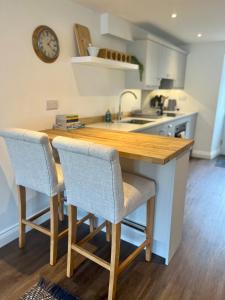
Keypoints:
(152, 148)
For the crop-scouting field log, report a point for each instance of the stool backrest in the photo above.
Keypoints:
(92, 176)
(32, 159)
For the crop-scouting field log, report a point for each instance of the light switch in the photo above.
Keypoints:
(52, 105)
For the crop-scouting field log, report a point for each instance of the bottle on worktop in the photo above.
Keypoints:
(108, 117)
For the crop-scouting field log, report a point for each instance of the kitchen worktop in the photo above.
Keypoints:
(150, 148)
(160, 158)
(121, 126)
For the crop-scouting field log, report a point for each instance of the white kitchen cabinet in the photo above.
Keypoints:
(160, 62)
(181, 60)
(147, 52)
(167, 63)
(167, 129)
(172, 65)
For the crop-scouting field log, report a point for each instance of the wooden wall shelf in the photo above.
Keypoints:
(102, 62)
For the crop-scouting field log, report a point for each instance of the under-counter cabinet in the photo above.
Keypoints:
(169, 128)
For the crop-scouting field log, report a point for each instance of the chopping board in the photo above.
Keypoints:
(83, 39)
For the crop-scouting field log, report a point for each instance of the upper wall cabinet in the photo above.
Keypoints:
(167, 63)
(147, 52)
(181, 61)
(116, 26)
(160, 62)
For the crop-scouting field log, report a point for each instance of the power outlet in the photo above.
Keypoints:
(52, 105)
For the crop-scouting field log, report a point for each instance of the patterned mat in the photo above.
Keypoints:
(44, 290)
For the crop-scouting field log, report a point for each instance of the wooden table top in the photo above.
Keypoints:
(152, 148)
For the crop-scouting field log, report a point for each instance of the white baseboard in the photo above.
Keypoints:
(11, 233)
(205, 154)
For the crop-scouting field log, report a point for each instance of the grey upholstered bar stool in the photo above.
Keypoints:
(95, 183)
(35, 168)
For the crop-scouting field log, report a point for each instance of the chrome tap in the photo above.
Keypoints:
(120, 114)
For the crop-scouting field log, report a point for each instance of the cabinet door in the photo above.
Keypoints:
(139, 50)
(152, 66)
(167, 63)
(147, 52)
(180, 70)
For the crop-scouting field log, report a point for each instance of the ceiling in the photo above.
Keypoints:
(193, 17)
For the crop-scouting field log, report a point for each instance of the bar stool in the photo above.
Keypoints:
(35, 168)
(102, 189)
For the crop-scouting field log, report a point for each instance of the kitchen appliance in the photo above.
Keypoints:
(180, 130)
(158, 103)
(172, 104)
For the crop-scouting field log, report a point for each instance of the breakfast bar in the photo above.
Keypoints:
(163, 159)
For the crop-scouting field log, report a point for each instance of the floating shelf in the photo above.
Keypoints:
(102, 62)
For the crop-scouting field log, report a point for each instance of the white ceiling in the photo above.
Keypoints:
(193, 16)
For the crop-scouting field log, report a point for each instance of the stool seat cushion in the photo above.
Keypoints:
(137, 190)
(60, 178)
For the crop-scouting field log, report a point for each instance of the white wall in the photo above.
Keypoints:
(26, 82)
(218, 136)
(202, 86)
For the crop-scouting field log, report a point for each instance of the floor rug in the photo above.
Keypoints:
(44, 290)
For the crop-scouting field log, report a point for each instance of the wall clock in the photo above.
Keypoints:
(45, 44)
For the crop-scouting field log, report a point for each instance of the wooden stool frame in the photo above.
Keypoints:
(114, 267)
(56, 213)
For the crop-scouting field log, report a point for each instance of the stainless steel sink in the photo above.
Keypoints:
(136, 121)
(151, 116)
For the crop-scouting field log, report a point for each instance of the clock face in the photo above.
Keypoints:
(46, 44)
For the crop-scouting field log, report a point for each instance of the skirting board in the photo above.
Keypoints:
(11, 233)
(205, 154)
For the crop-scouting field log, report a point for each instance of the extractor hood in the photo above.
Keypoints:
(166, 84)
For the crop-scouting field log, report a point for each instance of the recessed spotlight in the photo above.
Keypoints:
(199, 35)
(174, 15)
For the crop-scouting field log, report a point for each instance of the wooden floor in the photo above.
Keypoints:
(196, 272)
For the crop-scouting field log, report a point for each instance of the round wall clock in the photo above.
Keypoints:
(45, 44)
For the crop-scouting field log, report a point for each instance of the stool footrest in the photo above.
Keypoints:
(38, 215)
(91, 256)
(132, 256)
(37, 227)
(91, 235)
(63, 233)
(88, 216)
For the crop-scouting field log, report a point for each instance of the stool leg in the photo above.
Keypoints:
(149, 227)
(61, 206)
(72, 236)
(53, 229)
(22, 214)
(92, 223)
(108, 231)
(115, 257)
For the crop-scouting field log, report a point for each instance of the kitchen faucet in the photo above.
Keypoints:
(120, 114)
